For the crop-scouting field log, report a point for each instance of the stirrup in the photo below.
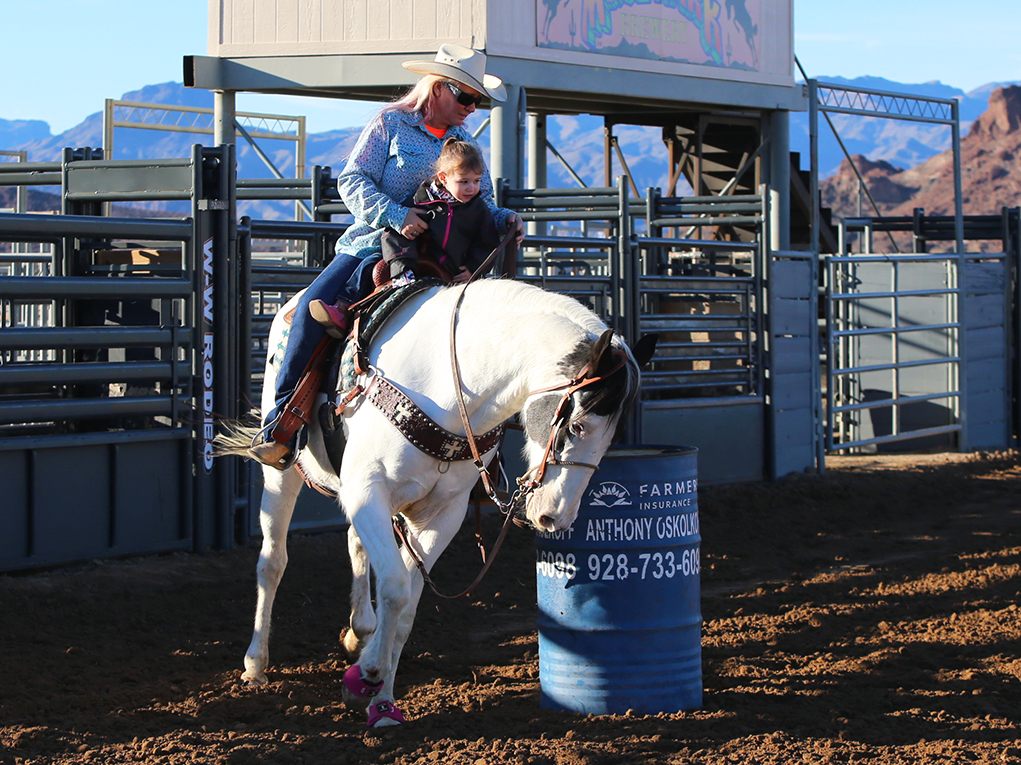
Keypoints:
(269, 452)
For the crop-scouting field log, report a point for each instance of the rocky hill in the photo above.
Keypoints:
(990, 172)
(899, 142)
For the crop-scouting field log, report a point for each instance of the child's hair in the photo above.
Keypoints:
(459, 155)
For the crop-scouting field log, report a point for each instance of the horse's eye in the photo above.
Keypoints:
(576, 428)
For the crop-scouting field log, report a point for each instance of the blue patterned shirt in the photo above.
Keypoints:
(393, 155)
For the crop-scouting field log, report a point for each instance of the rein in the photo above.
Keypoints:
(400, 524)
(526, 485)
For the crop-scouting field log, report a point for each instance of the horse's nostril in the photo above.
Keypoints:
(546, 523)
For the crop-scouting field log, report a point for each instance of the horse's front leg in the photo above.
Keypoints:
(280, 490)
(430, 531)
(372, 676)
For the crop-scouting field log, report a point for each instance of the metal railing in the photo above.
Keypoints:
(64, 364)
(703, 294)
(894, 343)
(117, 332)
(587, 267)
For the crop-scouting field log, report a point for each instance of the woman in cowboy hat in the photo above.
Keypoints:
(394, 154)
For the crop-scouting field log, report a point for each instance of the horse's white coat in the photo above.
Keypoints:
(512, 339)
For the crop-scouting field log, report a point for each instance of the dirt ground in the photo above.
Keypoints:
(866, 615)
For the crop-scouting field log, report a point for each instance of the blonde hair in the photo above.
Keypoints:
(458, 155)
(417, 99)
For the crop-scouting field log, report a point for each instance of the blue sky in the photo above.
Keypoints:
(64, 57)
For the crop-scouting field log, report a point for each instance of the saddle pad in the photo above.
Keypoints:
(378, 314)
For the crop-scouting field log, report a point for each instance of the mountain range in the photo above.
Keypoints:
(990, 174)
(579, 139)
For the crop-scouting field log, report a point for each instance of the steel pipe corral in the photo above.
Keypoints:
(15, 338)
(73, 409)
(13, 224)
(64, 287)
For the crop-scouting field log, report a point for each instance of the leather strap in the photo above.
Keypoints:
(416, 426)
(297, 411)
(584, 379)
(487, 480)
(401, 530)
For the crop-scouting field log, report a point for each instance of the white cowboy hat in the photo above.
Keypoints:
(463, 65)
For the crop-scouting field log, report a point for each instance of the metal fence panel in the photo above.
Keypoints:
(986, 321)
(892, 363)
(793, 362)
(109, 382)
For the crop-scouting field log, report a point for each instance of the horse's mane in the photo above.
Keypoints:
(619, 392)
(528, 298)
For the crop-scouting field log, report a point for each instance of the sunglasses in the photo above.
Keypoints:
(463, 98)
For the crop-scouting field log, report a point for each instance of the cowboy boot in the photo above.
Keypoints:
(334, 318)
(273, 453)
(267, 449)
(276, 443)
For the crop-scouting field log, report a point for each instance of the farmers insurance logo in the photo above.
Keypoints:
(609, 494)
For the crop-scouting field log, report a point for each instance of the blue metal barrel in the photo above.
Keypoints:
(619, 604)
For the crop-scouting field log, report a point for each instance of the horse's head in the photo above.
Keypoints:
(569, 427)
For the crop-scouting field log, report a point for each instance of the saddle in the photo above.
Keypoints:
(297, 412)
(383, 300)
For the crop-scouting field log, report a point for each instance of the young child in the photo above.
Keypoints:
(461, 231)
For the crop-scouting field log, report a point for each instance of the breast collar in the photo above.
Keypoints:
(416, 426)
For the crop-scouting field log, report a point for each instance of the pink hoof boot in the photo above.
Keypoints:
(382, 709)
(354, 683)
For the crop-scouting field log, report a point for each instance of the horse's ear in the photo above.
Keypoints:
(644, 348)
(601, 359)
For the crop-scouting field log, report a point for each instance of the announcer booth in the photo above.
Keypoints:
(715, 260)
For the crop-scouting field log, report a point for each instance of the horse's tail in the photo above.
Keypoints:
(236, 436)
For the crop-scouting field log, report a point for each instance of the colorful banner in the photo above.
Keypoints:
(722, 33)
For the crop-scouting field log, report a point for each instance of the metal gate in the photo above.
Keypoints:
(116, 353)
(921, 345)
(693, 270)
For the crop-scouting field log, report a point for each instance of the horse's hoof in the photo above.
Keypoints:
(383, 714)
(251, 677)
(359, 703)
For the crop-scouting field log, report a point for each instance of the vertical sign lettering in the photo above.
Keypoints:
(207, 355)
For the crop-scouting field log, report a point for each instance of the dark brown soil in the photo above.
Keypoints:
(865, 615)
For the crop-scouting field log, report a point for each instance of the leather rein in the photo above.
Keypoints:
(525, 484)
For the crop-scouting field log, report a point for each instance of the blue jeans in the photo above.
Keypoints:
(345, 278)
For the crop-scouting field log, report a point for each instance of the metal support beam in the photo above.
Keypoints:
(537, 163)
(780, 180)
(506, 141)
(224, 117)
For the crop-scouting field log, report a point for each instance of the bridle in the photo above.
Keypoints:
(560, 420)
(584, 378)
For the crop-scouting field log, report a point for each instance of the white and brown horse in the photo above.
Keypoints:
(522, 351)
